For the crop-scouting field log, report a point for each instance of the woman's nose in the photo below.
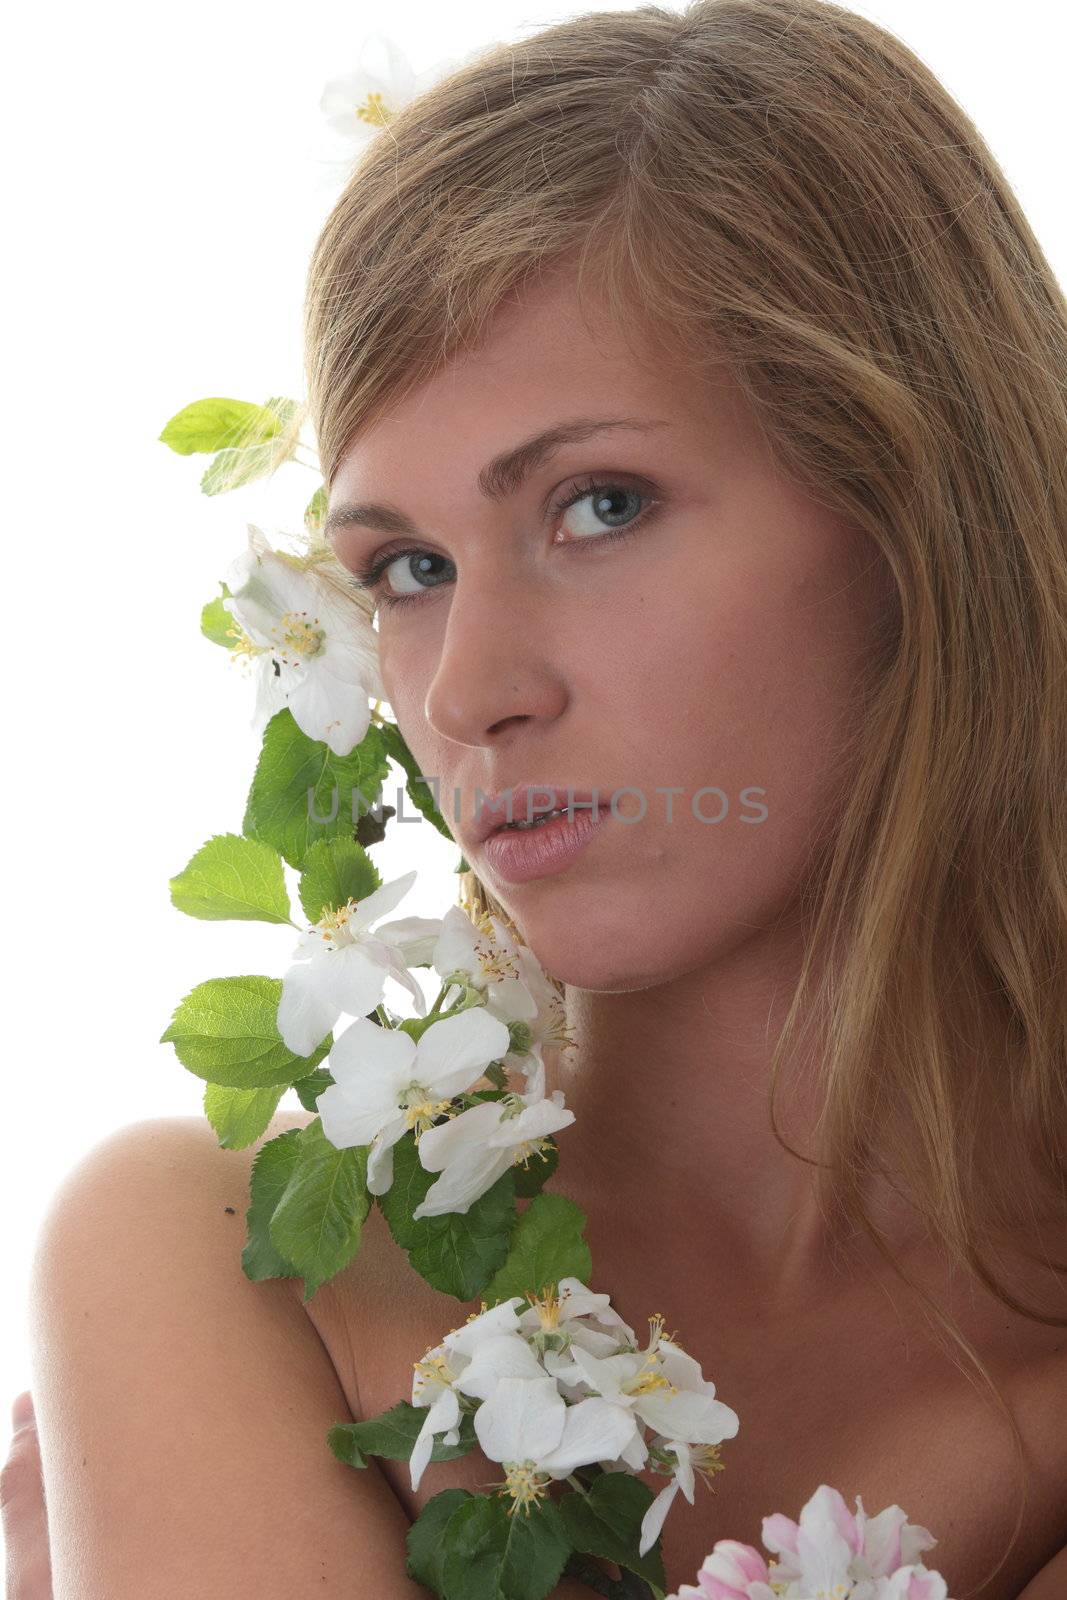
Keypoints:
(499, 663)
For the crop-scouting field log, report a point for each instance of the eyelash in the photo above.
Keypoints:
(369, 576)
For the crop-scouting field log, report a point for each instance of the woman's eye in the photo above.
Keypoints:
(613, 509)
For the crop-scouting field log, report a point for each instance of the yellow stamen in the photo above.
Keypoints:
(525, 1152)
(335, 919)
(423, 1113)
(302, 636)
(547, 1305)
(374, 109)
(524, 1484)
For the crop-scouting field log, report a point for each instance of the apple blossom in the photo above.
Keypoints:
(385, 1082)
(478, 1146)
(341, 963)
(311, 652)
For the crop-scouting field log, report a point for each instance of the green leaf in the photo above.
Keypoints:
(547, 1245)
(459, 1252)
(226, 1031)
(233, 877)
(216, 622)
(218, 424)
(531, 1179)
(490, 1555)
(318, 1221)
(315, 510)
(308, 1089)
(272, 1168)
(290, 764)
(288, 412)
(240, 1116)
(393, 1435)
(424, 1541)
(231, 469)
(606, 1522)
(416, 787)
(336, 870)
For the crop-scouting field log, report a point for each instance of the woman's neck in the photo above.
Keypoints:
(670, 1090)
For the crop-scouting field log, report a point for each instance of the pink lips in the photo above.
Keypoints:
(528, 802)
(516, 855)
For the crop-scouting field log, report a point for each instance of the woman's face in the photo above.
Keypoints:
(714, 647)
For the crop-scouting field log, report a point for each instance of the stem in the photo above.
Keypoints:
(586, 1571)
(380, 1010)
(577, 1483)
(631, 1587)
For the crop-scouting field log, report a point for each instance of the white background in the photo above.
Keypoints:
(167, 171)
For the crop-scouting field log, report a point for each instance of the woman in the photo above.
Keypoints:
(707, 366)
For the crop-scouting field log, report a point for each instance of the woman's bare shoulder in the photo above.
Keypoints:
(183, 1409)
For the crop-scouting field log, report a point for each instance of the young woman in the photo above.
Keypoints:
(690, 392)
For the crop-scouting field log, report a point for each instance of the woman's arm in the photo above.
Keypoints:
(27, 1565)
(183, 1410)
(1051, 1582)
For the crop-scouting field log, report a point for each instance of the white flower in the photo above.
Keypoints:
(524, 1422)
(437, 1372)
(311, 652)
(482, 952)
(432, 1387)
(572, 1314)
(360, 102)
(665, 1388)
(341, 964)
(476, 1148)
(832, 1550)
(386, 1083)
(689, 1460)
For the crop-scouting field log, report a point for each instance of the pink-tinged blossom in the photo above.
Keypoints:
(733, 1571)
(831, 1553)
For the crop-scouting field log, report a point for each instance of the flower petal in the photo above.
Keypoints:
(593, 1430)
(654, 1518)
(521, 1420)
(305, 1013)
(454, 1052)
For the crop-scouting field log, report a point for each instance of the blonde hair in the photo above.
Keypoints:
(783, 186)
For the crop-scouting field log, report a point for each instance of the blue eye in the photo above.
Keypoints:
(416, 563)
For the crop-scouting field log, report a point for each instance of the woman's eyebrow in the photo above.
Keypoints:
(504, 475)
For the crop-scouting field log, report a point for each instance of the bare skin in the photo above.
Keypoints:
(720, 643)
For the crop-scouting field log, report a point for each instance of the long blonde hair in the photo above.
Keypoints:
(785, 186)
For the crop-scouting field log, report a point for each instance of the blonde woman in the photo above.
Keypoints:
(691, 393)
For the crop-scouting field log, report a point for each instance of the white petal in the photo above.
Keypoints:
(365, 1050)
(593, 1430)
(414, 937)
(680, 1369)
(461, 1135)
(380, 1156)
(455, 948)
(454, 1052)
(655, 1516)
(348, 1121)
(510, 1000)
(305, 1015)
(336, 714)
(539, 1119)
(463, 1182)
(502, 1318)
(693, 1418)
(521, 1420)
(497, 1356)
(382, 900)
(349, 978)
(636, 1453)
